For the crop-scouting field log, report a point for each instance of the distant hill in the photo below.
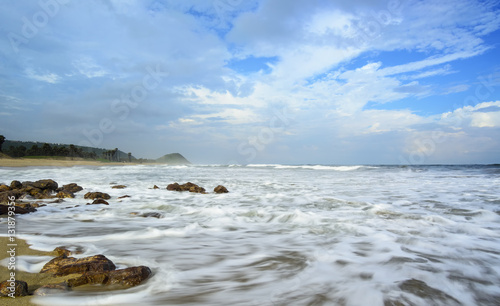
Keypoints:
(173, 159)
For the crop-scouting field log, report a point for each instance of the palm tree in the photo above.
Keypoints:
(2, 139)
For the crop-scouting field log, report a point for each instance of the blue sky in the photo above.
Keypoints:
(264, 81)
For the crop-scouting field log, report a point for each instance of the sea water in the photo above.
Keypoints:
(283, 235)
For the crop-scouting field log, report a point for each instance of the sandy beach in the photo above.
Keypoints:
(34, 280)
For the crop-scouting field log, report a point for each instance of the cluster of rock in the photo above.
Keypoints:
(41, 189)
(93, 270)
(194, 188)
(44, 189)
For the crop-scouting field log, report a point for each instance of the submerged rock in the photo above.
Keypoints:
(64, 265)
(97, 195)
(17, 288)
(152, 215)
(119, 187)
(52, 289)
(99, 201)
(220, 189)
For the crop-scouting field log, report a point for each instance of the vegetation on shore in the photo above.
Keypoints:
(48, 151)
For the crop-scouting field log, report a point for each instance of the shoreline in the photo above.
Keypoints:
(27, 162)
(34, 280)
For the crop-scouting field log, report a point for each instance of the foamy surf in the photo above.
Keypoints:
(284, 235)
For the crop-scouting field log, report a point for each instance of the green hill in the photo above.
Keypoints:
(173, 159)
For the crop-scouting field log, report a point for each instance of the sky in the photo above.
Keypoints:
(256, 81)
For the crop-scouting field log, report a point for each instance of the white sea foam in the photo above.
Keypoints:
(285, 234)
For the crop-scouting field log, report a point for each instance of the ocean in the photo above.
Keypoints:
(283, 235)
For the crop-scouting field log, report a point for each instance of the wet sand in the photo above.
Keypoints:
(34, 280)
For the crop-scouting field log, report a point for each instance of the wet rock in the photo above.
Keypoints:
(65, 250)
(65, 194)
(4, 210)
(52, 289)
(16, 185)
(99, 201)
(119, 187)
(72, 187)
(6, 196)
(186, 187)
(4, 187)
(31, 207)
(27, 184)
(15, 288)
(62, 251)
(220, 189)
(64, 265)
(156, 187)
(421, 289)
(128, 277)
(123, 197)
(97, 195)
(46, 184)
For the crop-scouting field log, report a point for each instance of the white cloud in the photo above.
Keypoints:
(51, 78)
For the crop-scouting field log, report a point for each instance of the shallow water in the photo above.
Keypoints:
(284, 235)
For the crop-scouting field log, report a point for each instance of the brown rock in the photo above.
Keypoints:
(99, 201)
(6, 196)
(128, 277)
(64, 265)
(46, 184)
(220, 189)
(123, 197)
(65, 251)
(15, 288)
(73, 188)
(186, 187)
(97, 195)
(4, 187)
(52, 289)
(16, 185)
(65, 194)
(119, 187)
(174, 187)
(156, 187)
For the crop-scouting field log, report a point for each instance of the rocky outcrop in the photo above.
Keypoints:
(64, 265)
(186, 187)
(220, 189)
(128, 277)
(13, 288)
(94, 270)
(97, 195)
(119, 187)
